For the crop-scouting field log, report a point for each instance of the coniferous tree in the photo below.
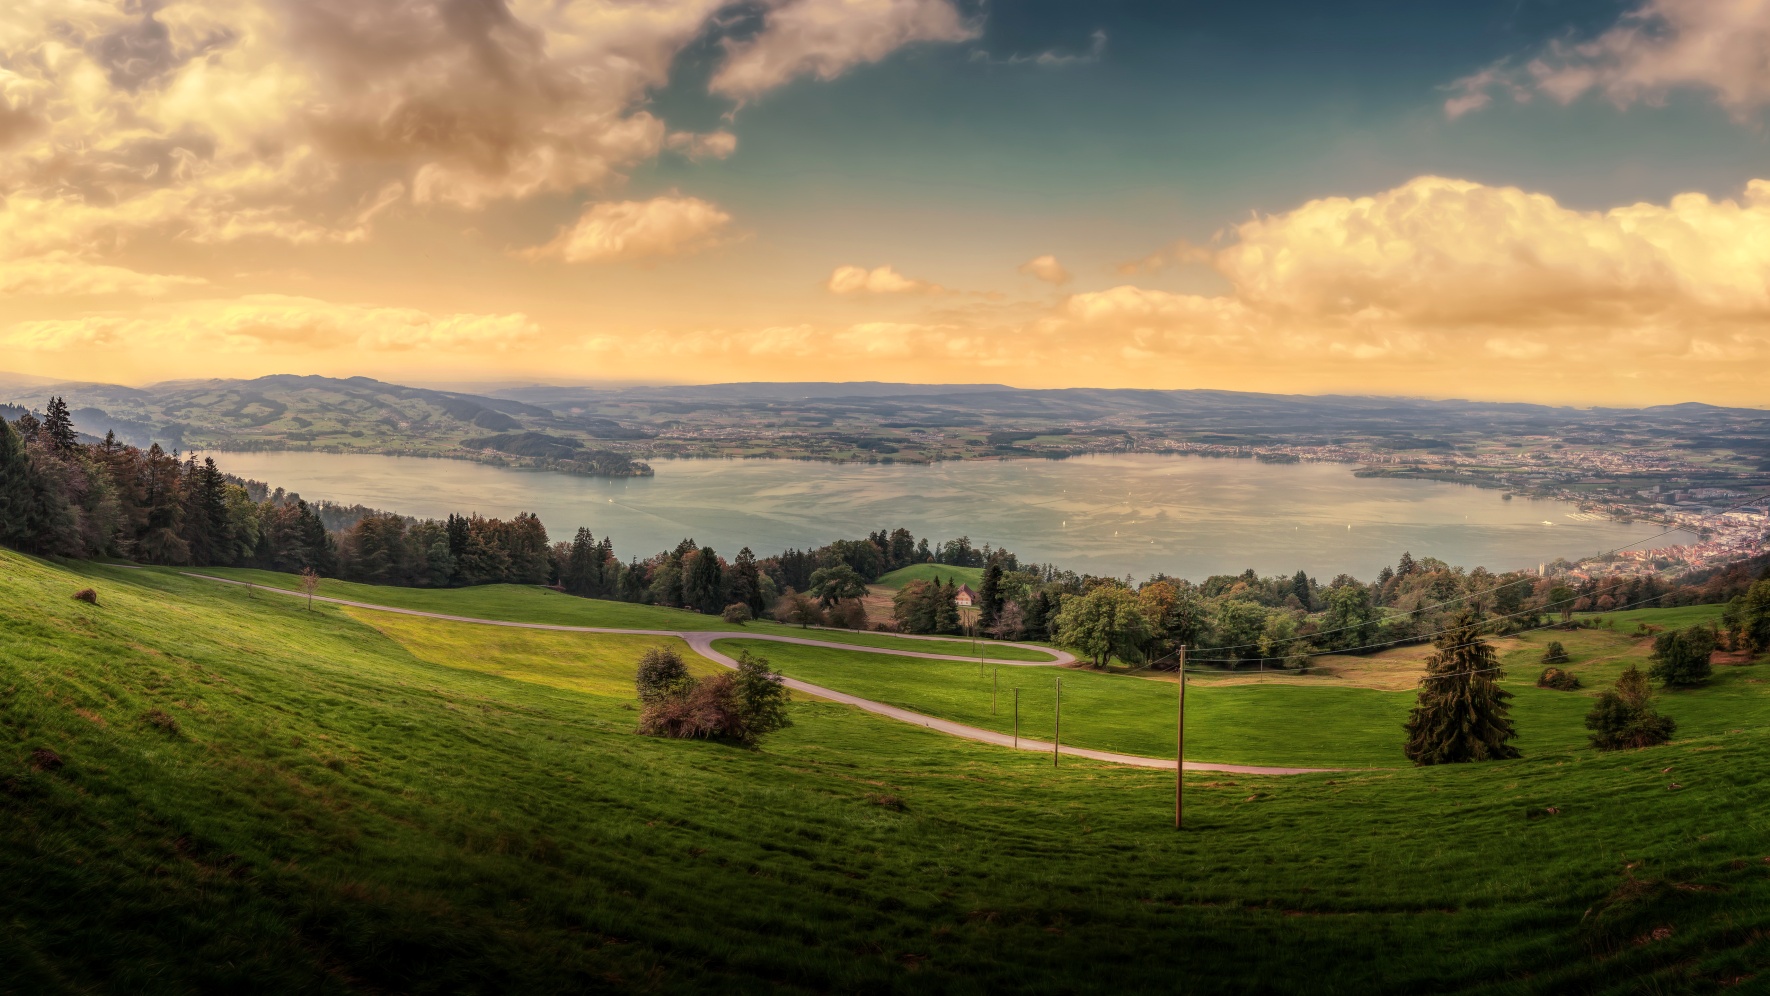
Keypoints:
(575, 575)
(16, 492)
(746, 582)
(58, 426)
(989, 594)
(704, 586)
(1462, 713)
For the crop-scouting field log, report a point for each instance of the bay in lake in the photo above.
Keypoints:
(1111, 514)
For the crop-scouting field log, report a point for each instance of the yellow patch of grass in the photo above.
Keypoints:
(593, 663)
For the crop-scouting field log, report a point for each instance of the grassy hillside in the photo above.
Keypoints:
(246, 796)
(972, 576)
(528, 603)
(1302, 720)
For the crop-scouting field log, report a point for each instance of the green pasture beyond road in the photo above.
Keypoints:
(972, 576)
(529, 603)
(202, 791)
(1305, 725)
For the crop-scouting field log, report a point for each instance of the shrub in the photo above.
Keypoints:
(703, 710)
(736, 613)
(86, 595)
(762, 695)
(1681, 657)
(1554, 653)
(1561, 681)
(661, 675)
(740, 706)
(1624, 718)
(850, 614)
(161, 720)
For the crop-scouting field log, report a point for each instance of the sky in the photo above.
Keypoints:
(1560, 201)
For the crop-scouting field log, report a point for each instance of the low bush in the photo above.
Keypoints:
(1555, 653)
(737, 613)
(86, 595)
(1623, 718)
(740, 706)
(1561, 681)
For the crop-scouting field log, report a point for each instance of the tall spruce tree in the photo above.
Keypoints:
(989, 594)
(746, 582)
(58, 426)
(16, 498)
(1462, 713)
(704, 586)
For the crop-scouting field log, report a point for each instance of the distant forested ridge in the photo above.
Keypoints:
(65, 497)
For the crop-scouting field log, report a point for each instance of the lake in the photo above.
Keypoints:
(1109, 514)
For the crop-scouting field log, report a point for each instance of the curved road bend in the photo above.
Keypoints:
(702, 643)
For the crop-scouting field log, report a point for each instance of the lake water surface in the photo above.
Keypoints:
(1114, 514)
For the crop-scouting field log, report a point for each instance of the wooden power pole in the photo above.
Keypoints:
(1057, 724)
(1180, 742)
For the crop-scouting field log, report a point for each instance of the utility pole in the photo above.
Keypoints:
(1057, 724)
(995, 686)
(1180, 741)
(1016, 719)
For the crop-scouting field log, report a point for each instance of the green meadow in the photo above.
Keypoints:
(972, 576)
(532, 604)
(206, 791)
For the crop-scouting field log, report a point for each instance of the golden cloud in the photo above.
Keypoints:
(663, 226)
(1659, 46)
(878, 280)
(272, 323)
(1045, 268)
(826, 38)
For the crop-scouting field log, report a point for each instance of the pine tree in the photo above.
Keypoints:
(582, 574)
(989, 594)
(16, 498)
(58, 426)
(1462, 713)
(703, 588)
(1300, 588)
(746, 582)
(946, 609)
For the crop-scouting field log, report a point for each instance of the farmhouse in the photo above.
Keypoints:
(965, 596)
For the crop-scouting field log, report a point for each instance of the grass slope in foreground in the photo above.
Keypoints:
(254, 797)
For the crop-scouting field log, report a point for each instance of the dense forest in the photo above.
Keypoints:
(67, 496)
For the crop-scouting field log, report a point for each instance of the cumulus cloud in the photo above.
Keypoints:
(1045, 268)
(826, 38)
(1435, 285)
(304, 121)
(270, 323)
(878, 280)
(1715, 46)
(671, 225)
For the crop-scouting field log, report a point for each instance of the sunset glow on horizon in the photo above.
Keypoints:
(1485, 203)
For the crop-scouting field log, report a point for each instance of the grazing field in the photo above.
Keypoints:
(1315, 720)
(972, 576)
(202, 791)
(533, 604)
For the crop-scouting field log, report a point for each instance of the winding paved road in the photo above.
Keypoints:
(701, 641)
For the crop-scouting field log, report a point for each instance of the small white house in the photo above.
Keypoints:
(965, 596)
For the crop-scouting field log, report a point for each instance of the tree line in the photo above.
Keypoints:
(63, 495)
